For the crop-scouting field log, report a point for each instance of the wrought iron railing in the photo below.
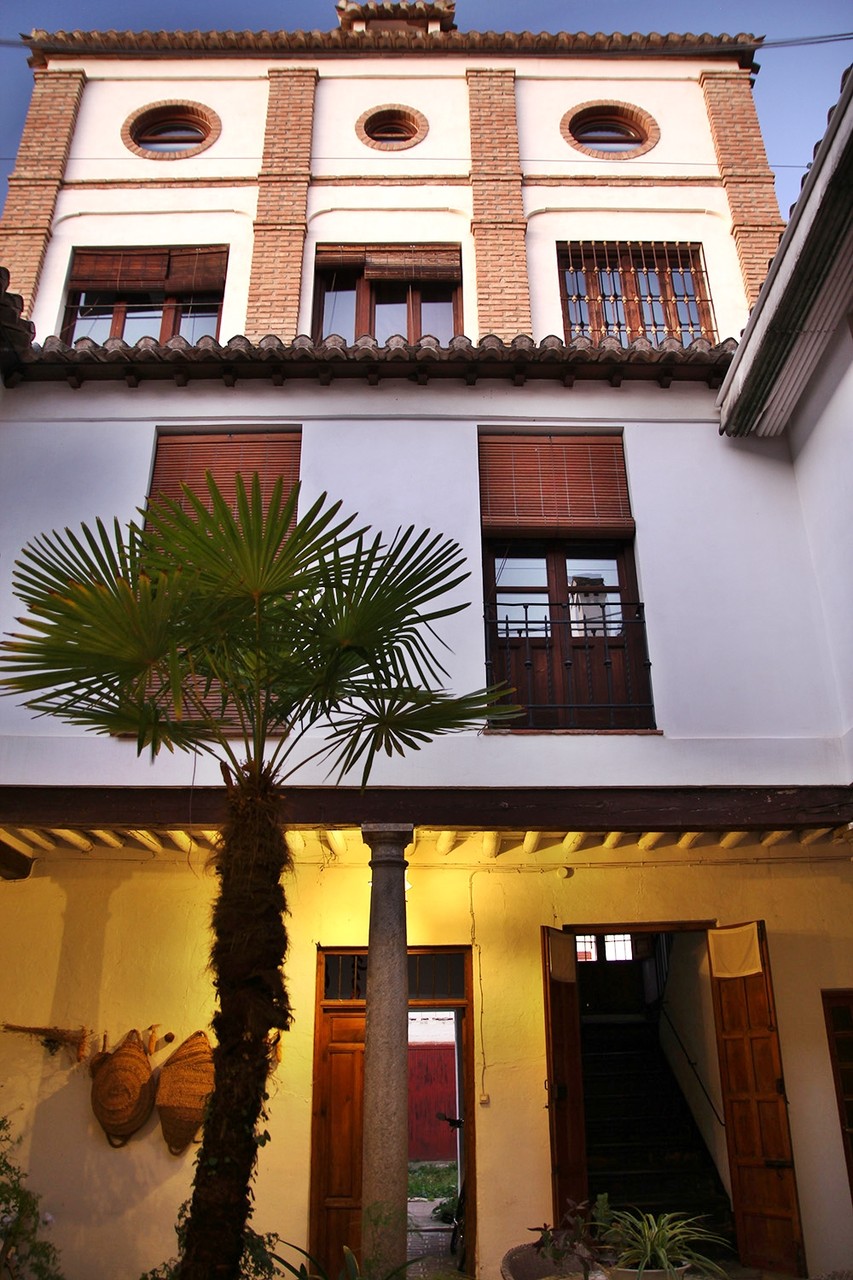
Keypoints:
(572, 665)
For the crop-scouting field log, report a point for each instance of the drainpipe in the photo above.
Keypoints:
(385, 1151)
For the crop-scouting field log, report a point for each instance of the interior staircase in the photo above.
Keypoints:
(644, 1148)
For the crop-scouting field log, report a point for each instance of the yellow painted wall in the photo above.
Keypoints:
(114, 944)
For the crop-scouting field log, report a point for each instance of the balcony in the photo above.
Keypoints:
(582, 664)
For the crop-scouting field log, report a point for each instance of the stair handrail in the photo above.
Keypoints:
(692, 1065)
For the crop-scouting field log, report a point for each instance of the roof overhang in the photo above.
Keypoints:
(549, 826)
(807, 293)
(45, 45)
(332, 360)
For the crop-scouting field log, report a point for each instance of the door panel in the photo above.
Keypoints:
(337, 1135)
(565, 1078)
(764, 1191)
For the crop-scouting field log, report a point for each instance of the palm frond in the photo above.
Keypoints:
(399, 720)
(211, 621)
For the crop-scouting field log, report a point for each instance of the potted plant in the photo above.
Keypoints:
(655, 1246)
(577, 1244)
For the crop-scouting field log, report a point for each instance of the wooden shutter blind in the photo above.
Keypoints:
(393, 262)
(175, 270)
(185, 459)
(572, 484)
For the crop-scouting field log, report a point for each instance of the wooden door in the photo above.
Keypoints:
(337, 1127)
(565, 1077)
(838, 1011)
(764, 1189)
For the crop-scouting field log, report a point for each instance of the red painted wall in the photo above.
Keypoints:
(432, 1088)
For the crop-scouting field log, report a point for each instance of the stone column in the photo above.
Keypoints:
(385, 1152)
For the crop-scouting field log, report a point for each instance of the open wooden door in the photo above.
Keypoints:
(565, 1077)
(338, 1130)
(764, 1189)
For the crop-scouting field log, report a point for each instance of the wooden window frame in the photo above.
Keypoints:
(571, 684)
(171, 278)
(589, 259)
(368, 267)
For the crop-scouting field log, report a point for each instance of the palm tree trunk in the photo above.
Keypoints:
(248, 951)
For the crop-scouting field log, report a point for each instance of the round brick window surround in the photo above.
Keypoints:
(392, 127)
(621, 130)
(171, 130)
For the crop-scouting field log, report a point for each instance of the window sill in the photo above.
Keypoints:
(552, 733)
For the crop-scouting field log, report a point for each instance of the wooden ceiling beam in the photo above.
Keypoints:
(14, 865)
(588, 809)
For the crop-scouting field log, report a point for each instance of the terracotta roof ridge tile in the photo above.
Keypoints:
(43, 43)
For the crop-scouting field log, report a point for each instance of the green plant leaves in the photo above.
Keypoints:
(212, 629)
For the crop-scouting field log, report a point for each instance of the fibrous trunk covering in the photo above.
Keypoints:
(248, 951)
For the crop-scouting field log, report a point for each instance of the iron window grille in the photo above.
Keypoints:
(625, 291)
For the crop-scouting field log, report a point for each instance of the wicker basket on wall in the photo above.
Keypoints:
(122, 1089)
(185, 1084)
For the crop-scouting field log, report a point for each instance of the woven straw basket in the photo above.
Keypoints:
(185, 1084)
(122, 1089)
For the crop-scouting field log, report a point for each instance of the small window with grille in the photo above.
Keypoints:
(628, 291)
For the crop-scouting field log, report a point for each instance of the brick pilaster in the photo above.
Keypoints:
(34, 185)
(746, 175)
(282, 206)
(499, 224)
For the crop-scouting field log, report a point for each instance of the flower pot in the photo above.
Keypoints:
(631, 1273)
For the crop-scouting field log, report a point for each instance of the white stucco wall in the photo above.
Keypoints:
(688, 1038)
(823, 466)
(740, 668)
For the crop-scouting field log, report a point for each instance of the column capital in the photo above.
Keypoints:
(387, 840)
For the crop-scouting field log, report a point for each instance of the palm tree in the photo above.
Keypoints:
(235, 632)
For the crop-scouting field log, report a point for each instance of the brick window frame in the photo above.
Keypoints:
(195, 114)
(627, 290)
(607, 111)
(411, 124)
(174, 280)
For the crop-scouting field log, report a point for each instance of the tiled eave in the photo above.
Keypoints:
(806, 296)
(318, 44)
(518, 361)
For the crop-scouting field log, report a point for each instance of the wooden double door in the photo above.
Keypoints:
(764, 1191)
(439, 979)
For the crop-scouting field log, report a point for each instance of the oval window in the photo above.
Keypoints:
(606, 130)
(392, 127)
(170, 135)
(607, 135)
(171, 130)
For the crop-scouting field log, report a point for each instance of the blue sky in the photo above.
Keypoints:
(795, 88)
